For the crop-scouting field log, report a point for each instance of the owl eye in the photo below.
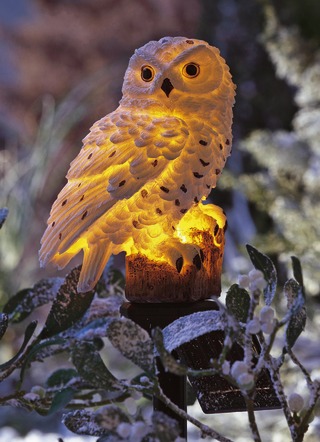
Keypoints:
(191, 70)
(147, 73)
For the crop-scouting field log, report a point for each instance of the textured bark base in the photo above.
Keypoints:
(151, 281)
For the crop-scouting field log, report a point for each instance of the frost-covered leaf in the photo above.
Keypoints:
(238, 302)
(297, 270)
(27, 336)
(61, 377)
(190, 327)
(265, 265)
(3, 215)
(91, 367)
(82, 422)
(165, 428)
(166, 357)
(3, 324)
(133, 342)
(109, 417)
(296, 305)
(68, 307)
(93, 330)
(104, 307)
(25, 301)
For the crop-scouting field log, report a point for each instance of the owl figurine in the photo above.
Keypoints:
(146, 165)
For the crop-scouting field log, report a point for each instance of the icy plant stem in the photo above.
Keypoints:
(205, 430)
(252, 419)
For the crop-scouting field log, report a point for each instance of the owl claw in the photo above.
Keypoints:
(179, 264)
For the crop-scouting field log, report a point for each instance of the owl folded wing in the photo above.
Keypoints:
(120, 155)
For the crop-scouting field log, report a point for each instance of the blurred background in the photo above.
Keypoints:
(61, 68)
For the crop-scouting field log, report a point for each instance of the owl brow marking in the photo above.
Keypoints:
(197, 175)
(164, 189)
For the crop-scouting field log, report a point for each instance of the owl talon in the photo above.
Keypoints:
(197, 261)
(179, 264)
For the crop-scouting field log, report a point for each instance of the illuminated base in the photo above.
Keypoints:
(151, 281)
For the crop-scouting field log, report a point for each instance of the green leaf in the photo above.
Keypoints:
(27, 336)
(109, 417)
(91, 367)
(61, 377)
(34, 350)
(3, 215)
(265, 265)
(238, 302)
(68, 307)
(59, 401)
(3, 324)
(297, 271)
(166, 357)
(295, 303)
(82, 422)
(25, 301)
(133, 342)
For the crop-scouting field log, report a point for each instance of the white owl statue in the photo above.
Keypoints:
(148, 164)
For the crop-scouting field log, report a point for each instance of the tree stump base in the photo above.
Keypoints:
(156, 282)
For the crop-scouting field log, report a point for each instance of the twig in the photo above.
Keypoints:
(205, 430)
(252, 418)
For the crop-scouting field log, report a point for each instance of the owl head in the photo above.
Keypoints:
(174, 70)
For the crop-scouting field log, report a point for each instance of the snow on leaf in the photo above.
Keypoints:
(238, 302)
(68, 307)
(82, 422)
(133, 342)
(25, 301)
(190, 327)
(109, 417)
(265, 265)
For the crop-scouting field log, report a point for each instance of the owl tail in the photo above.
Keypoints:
(94, 262)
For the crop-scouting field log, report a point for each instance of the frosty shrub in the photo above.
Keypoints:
(98, 403)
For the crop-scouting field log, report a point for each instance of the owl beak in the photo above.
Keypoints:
(167, 86)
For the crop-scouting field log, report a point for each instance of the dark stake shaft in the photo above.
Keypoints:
(149, 316)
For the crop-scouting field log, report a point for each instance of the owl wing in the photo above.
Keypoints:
(122, 152)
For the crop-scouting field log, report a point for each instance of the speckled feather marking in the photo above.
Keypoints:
(145, 165)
